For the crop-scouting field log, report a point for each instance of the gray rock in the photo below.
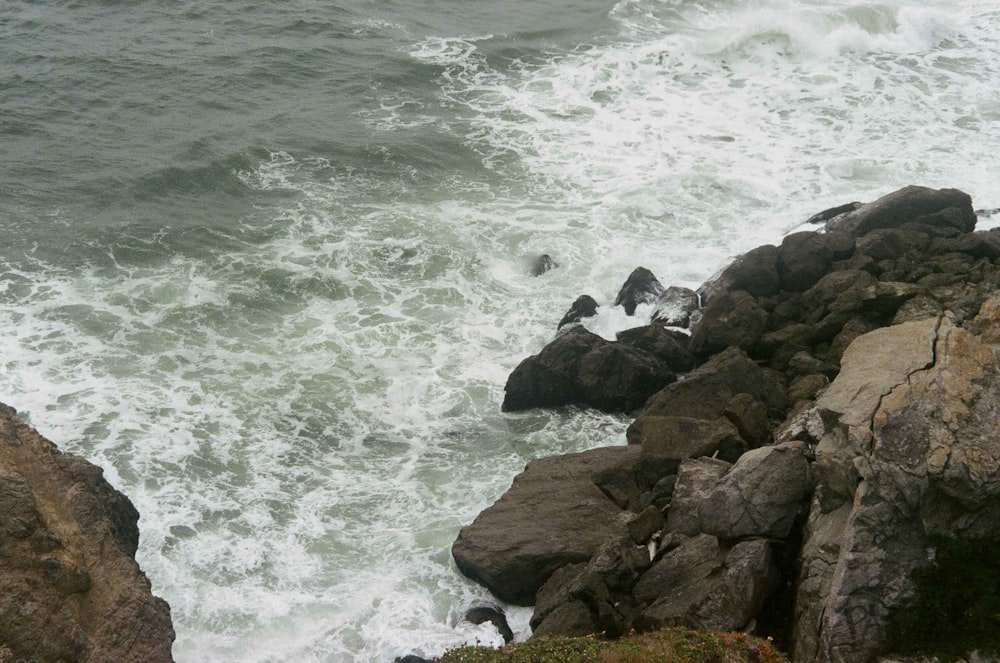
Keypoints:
(552, 515)
(696, 479)
(911, 204)
(761, 495)
(675, 306)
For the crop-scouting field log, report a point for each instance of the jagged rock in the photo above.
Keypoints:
(411, 658)
(670, 346)
(675, 306)
(911, 204)
(601, 586)
(641, 287)
(70, 589)
(705, 392)
(552, 515)
(749, 415)
(542, 264)
(703, 585)
(909, 450)
(495, 616)
(696, 479)
(581, 368)
(584, 307)
(761, 494)
(731, 319)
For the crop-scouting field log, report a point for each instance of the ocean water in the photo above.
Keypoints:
(266, 263)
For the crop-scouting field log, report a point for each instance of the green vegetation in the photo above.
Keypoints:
(673, 645)
(957, 607)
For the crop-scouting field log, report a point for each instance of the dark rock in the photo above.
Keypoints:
(703, 585)
(891, 244)
(807, 387)
(645, 525)
(749, 415)
(832, 213)
(674, 307)
(495, 616)
(552, 515)
(706, 391)
(911, 204)
(542, 264)
(755, 272)
(641, 287)
(666, 441)
(584, 307)
(731, 319)
(803, 258)
(568, 620)
(620, 481)
(70, 589)
(670, 346)
(581, 368)
(411, 658)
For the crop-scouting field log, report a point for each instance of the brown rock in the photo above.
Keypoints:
(70, 589)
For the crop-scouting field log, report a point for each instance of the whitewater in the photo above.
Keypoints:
(268, 264)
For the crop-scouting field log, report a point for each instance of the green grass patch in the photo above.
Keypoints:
(675, 645)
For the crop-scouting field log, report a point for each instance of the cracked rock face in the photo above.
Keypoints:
(70, 589)
(908, 450)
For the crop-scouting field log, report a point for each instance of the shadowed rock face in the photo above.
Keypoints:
(70, 589)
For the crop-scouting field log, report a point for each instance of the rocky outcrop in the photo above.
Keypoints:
(70, 589)
(836, 422)
(581, 368)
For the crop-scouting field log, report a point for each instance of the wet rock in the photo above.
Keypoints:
(581, 368)
(675, 306)
(911, 204)
(553, 515)
(70, 589)
(495, 616)
(731, 319)
(641, 287)
(755, 272)
(584, 307)
(670, 346)
(833, 213)
(541, 264)
(803, 258)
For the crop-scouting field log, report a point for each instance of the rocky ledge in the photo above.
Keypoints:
(70, 589)
(833, 429)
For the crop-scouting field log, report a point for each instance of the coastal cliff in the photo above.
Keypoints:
(831, 436)
(70, 588)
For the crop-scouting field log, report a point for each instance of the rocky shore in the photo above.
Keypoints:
(70, 589)
(802, 454)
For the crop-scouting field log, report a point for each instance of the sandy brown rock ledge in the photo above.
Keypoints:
(836, 440)
(70, 588)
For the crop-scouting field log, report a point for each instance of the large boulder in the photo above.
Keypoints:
(912, 204)
(704, 584)
(70, 588)
(581, 368)
(732, 319)
(909, 452)
(553, 515)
